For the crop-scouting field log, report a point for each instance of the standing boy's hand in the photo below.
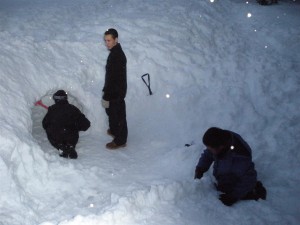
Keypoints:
(105, 104)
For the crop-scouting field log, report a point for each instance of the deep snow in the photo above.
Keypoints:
(233, 64)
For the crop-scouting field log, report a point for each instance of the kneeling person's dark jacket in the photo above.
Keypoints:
(63, 122)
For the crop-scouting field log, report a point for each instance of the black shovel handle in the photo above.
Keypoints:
(147, 84)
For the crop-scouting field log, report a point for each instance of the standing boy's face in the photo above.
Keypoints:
(110, 42)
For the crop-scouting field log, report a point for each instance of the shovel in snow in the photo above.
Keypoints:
(147, 84)
(40, 103)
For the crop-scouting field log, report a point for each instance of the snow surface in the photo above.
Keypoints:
(230, 63)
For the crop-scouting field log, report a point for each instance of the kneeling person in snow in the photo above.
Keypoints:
(233, 167)
(62, 123)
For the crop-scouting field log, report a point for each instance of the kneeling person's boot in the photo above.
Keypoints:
(260, 190)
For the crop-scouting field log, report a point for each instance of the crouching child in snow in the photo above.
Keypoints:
(62, 123)
(233, 167)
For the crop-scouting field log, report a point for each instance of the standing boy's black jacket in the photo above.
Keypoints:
(115, 86)
(62, 123)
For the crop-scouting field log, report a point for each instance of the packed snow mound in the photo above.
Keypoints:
(209, 66)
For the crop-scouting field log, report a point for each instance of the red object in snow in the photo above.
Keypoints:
(40, 103)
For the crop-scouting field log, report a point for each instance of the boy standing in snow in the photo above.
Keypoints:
(233, 167)
(114, 91)
(62, 123)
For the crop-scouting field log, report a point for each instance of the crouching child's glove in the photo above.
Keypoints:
(227, 199)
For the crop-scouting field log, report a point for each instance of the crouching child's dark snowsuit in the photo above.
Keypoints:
(234, 171)
(62, 123)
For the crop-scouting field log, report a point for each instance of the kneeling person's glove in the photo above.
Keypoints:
(227, 199)
(198, 173)
(105, 104)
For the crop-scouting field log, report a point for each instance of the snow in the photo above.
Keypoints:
(232, 64)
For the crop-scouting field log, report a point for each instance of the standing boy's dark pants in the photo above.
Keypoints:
(117, 120)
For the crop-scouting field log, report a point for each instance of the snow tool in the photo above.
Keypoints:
(188, 145)
(147, 84)
(40, 103)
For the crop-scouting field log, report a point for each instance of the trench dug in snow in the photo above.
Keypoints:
(40, 110)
